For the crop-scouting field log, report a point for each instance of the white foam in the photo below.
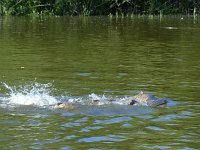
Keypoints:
(108, 99)
(32, 99)
(40, 95)
(97, 97)
(30, 94)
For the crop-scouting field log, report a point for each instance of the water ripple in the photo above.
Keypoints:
(155, 128)
(89, 128)
(113, 120)
(105, 139)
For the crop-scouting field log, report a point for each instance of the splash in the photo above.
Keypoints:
(41, 95)
(30, 94)
(102, 99)
(108, 99)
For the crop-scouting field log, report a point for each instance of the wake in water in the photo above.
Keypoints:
(37, 98)
(40, 95)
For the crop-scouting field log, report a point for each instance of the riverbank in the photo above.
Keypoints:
(99, 7)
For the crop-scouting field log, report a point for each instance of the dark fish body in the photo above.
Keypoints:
(148, 100)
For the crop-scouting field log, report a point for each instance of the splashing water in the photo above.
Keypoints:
(30, 94)
(110, 99)
(40, 95)
(102, 99)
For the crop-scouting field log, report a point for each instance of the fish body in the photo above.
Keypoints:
(148, 100)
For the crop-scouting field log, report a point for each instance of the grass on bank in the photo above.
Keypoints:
(99, 7)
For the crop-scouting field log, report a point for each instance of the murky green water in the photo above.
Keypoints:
(110, 58)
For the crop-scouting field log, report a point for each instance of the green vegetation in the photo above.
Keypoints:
(99, 7)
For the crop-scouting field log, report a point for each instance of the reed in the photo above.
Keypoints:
(194, 13)
(116, 8)
(1, 10)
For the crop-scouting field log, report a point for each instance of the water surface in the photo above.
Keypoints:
(45, 60)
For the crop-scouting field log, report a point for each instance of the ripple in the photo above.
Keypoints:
(157, 147)
(109, 138)
(71, 137)
(166, 118)
(127, 125)
(155, 128)
(65, 148)
(88, 129)
(82, 119)
(71, 124)
(34, 123)
(187, 148)
(40, 143)
(113, 120)
(84, 74)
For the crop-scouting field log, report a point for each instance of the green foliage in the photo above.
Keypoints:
(19, 7)
(81, 7)
(98, 7)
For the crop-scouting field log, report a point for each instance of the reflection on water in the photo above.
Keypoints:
(113, 58)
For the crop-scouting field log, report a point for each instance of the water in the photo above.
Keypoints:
(54, 59)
